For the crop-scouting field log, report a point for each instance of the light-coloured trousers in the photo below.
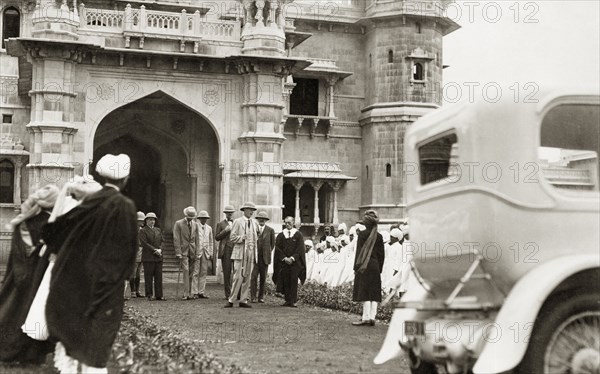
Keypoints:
(186, 262)
(369, 310)
(199, 273)
(241, 281)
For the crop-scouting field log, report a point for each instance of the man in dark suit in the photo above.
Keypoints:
(222, 232)
(289, 261)
(266, 243)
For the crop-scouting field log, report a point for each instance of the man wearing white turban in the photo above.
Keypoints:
(96, 245)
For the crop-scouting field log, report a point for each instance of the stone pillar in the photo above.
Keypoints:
(288, 87)
(261, 151)
(316, 186)
(17, 181)
(331, 81)
(51, 126)
(335, 186)
(298, 183)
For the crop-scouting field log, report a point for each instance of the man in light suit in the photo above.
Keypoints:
(222, 234)
(265, 243)
(244, 237)
(185, 240)
(203, 255)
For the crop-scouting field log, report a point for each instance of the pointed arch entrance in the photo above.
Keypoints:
(174, 153)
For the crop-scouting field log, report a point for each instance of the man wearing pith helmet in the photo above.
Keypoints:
(244, 238)
(203, 255)
(185, 241)
(222, 235)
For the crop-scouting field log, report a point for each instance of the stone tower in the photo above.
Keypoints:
(403, 51)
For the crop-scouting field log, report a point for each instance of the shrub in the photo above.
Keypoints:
(143, 347)
(337, 298)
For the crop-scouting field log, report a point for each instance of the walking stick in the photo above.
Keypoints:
(178, 278)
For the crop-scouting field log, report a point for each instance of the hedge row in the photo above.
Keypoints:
(143, 347)
(337, 298)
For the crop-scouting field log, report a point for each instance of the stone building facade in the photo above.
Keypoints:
(300, 106)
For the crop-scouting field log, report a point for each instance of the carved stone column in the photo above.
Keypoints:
(331, 81)
(288, 87)
(316, 186)
(335, 186)
(297, 183)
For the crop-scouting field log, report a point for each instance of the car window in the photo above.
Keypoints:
(435, 158)
(568, 154)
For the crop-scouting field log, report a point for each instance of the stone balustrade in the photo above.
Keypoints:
(143, 23)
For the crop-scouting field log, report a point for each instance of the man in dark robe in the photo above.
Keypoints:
(289, 261)
(24, 273)
(368, 264)
(96, 244)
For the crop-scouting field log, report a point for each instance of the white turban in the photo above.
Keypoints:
(397, 233)
(342, 227)
(352, 231)
(309, 243)
(330, 239)
(345, 238)
(114, 167)
(386, 236)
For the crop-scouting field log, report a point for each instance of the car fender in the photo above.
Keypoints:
(514, 322)
(390, 348)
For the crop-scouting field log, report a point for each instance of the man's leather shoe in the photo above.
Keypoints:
(362, 323)
(372, 322)
(286, 304)
(245, 305)
(262, 301)
(253, 300)
(203, 296)
(228, 305)
(150, 298)
(195, 297)
(161, 299)
(293, 305)
(185, 298)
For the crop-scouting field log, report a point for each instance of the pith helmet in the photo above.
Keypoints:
(203, 214)
(151, 215)
(248, 205)
(228, 209)
(262, 215)
(141, 216)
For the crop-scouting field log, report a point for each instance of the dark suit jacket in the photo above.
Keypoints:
(223, 238)
(151, 239)
(266, 243)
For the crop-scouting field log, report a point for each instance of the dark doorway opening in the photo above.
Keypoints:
(144, 186)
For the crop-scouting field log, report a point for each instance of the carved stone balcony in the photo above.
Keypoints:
(314, 124)
(141, 23)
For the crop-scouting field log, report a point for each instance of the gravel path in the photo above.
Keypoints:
(272, 339)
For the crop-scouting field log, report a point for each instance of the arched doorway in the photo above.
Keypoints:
(175, 158)
(144, 187)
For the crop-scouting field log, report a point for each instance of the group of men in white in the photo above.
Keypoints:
(331, 261)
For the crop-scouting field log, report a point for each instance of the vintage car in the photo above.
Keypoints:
(503, 202)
